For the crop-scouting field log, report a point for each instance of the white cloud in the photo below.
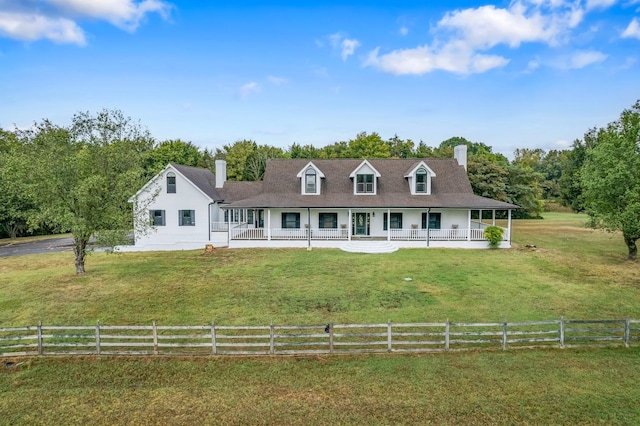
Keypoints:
(463, 37)
(125, 14)
(486, 26)
(600, 4)
(423, 59)
(562, 144)
(533, 65)
(346, 46)
(633, 30)
(30, 27)
(248, 89)
(59, 20)
(585, 58)
(277, 81)
(403, 30)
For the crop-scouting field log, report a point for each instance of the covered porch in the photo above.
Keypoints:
(463, 228)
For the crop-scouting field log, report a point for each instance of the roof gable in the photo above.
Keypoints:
(415, 168)
(367, 167)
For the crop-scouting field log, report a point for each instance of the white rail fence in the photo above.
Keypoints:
(272, 339)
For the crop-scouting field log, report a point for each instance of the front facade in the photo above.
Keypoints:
(320, 203)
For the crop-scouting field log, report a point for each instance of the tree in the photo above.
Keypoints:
(400, 148)
(570, 182)
(175, 151)
(16, 203)
(367, 146)
(488, 178)
(82, 176)
(307, 151)
(523, 189)
(610, 178)
(236, 156)
(257, 162)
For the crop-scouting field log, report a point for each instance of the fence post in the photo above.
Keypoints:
(504, 335)
(330, 337)
(627, 332)
(446, 335)
(271, 339)
(562, 332)
(155, 338)
(39, 337)
(214, 349)
(389, 336)
(98, 338)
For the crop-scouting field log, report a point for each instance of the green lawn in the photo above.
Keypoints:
(572, 271)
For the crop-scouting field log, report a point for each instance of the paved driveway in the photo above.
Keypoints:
(36, 247)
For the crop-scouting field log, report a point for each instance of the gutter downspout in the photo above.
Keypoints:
(509, 226)
(209, 217)
(428, 230)
(308, 229)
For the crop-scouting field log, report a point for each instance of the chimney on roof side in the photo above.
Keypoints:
(460, 154)
(221, 173)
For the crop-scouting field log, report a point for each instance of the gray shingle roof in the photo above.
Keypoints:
(202, 178)
(450, 188)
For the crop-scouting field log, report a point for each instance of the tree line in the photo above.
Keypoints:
(78, 178)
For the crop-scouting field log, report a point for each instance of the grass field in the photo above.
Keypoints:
(572, 271)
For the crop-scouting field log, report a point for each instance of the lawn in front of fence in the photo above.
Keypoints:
(569, 386)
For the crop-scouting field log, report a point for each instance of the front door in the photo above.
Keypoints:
(361, 224)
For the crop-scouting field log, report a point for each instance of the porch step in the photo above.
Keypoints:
(369, 247)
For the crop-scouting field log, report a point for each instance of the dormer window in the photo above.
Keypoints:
(364, 184)
(310, 181)
(171, 183)
(365, 179)
(421, 181)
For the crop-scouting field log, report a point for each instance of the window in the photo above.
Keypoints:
(328, 220)
(434, 220)
(421, 181)
(396, 221)
(171, 183)
(187, 217)
(364, 184)
(290, 220)
(157, 217)
(310, 181)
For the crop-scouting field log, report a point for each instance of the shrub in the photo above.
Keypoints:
(494, 235)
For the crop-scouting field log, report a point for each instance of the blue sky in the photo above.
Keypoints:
(519, 74)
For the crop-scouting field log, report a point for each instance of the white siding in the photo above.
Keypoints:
(187, 197)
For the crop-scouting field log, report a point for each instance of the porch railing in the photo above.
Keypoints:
(243, 232)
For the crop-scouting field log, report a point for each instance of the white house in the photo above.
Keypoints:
(351, 204)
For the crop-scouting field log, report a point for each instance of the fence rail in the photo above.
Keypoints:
(214, 339)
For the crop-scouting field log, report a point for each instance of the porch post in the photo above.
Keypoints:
(268, 224)
(493, 217)
(469, 226)
(388, 224)
(308, 229)
(480, 217)
(509, 226)
(349, 225)
(229, 226)
(428, 230)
